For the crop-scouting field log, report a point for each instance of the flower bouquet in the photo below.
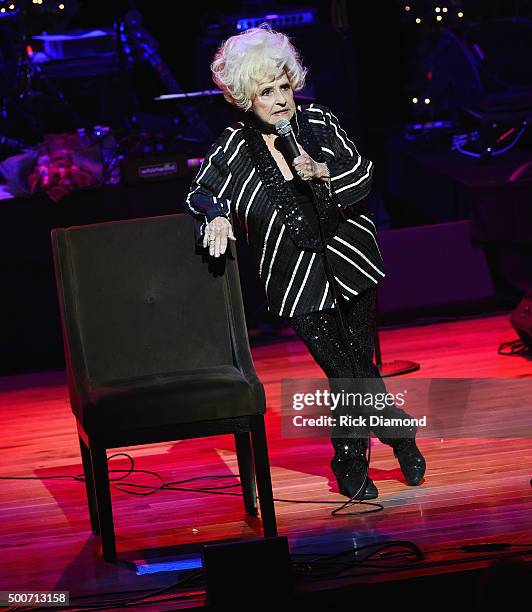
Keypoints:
(60, 165)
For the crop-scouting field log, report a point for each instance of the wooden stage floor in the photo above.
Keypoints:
(474, 491)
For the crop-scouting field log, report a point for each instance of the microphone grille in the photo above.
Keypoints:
(283, 127)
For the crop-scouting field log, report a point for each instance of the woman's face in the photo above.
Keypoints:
(274, 100)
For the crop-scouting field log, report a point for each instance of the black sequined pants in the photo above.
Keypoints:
(320, 332)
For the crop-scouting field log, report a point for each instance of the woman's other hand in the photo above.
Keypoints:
(216, 234)
(308, 169)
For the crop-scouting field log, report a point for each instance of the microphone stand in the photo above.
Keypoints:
(392, 368)
(395, 367)
(292, 151)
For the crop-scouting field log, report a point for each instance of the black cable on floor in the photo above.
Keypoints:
(173, 486)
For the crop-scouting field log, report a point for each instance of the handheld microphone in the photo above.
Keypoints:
(284, 129)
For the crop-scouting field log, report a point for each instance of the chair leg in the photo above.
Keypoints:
(89, 486)
(247, 472)
(103, 499)
(262, 470)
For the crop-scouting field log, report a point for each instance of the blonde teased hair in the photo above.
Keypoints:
(245, 60)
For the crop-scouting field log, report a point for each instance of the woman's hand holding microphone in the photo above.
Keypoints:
(216, 234)
(308, 169)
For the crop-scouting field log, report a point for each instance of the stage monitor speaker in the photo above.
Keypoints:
(521, 319)
(430, 267)
(248, 574)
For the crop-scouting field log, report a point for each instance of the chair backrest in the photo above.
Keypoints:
(137, 299)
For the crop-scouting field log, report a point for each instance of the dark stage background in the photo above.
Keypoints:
(367, 61)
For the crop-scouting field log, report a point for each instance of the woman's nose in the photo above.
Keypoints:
(280, 98)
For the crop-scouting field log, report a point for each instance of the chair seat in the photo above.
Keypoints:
(172, 398)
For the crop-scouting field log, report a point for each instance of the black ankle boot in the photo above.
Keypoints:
(410, 459)
(350, 466)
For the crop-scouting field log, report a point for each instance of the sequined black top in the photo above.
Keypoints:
(304, 201)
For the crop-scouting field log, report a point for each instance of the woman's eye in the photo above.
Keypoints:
(286, 86)
(266, 92)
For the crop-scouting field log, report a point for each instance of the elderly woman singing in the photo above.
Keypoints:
(312, 237)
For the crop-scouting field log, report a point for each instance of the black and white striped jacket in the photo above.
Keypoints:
(228, 183)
